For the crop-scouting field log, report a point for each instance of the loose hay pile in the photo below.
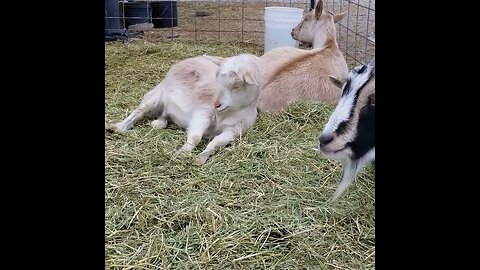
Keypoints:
(257, 204)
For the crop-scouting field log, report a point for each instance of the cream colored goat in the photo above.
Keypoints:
(291, 74)
(209, 96)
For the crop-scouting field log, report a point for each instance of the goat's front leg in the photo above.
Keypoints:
(197, 127)
(224, 138)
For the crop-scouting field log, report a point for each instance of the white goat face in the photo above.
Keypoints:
(237, 83)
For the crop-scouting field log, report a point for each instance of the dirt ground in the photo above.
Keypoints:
(243, 20)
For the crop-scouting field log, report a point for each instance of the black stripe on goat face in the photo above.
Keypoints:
(364, 140)
(348, 133)
(356, 71)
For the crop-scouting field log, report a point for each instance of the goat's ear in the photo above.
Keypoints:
(337, 82)
(237, 78)
(250, 78)
(318, 9)
(215, 59)
(339, 16)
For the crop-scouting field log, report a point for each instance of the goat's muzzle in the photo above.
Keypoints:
(325, 139)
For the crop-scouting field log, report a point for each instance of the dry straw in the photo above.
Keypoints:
(256, 204)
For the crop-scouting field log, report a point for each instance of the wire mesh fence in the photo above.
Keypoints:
(355, 32)
(239, 21)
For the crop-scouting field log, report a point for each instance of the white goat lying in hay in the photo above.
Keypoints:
(349, 134)
(292, 74)
(209, 96)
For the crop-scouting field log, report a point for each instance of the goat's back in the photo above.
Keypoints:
(292, 75)
(194, 78)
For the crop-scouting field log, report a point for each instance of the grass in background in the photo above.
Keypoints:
(256, 204)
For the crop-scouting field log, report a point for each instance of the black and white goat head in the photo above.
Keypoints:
(349, 134)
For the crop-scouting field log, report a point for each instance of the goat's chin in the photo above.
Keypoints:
(339, 154)
(304, 45)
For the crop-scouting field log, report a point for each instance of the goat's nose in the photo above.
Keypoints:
(325, 139)
(217, 104)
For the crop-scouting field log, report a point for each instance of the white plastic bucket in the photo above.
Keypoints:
(279, 22)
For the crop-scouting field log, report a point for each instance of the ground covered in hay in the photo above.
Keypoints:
(257, 204)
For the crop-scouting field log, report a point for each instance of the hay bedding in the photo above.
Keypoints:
(256, 204)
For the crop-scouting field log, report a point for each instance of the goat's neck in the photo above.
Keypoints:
(322, 39)
(249, 108)
(240, 120)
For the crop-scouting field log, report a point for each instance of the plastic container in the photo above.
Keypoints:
(279, 22)
(164, 14)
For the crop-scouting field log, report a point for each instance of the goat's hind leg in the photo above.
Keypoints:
(160, 122)
(150, 105)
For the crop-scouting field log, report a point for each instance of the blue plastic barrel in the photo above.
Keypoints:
(137, 12)
(164, 14)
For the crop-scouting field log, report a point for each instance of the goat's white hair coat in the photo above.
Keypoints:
(210, 97)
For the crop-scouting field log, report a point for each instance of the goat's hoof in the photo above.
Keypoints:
(200, 160)
(159, 123)
(181, 153)
(111, 128)
(116, 128)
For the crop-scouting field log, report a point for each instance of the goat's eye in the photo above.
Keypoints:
(367, 108)
(364, 109)
(236, 85)
(371, 100)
